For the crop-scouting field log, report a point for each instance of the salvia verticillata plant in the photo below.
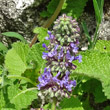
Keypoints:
(60, 53)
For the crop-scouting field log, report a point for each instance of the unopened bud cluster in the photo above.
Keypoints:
(60, 54)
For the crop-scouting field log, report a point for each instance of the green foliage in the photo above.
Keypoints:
(86, 104)
(35, 55)
(107, 108)
(98, 6)
(94, 86)
(103, 46)
(15, 98)
(72, 103)
(42, 33)
(23, 78)
(3, 47)
(74, 8)
(50, 8)
(15, 59)
(86, 33)
(15, 35)
(96, 65)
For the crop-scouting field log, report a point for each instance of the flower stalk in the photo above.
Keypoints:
(53, 107)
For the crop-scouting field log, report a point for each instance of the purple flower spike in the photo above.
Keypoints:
(62, 51)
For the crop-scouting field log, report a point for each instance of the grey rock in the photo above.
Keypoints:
(20, 16)
(104, 31)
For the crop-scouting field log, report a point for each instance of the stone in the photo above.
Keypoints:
(21, 16)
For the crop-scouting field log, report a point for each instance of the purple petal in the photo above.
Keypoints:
(79, 58)
(44, 55)
(56, 46)
(49, 32)
(68, 56)
(47, 38)
(44, 45)
(51, 36)
(72, 45)
(71, 59)
(75, 50)
(50, 54)
(58, 74)
(73, 83)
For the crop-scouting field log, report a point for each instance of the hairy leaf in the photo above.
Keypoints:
(103, 46)
(15, 59)
(35, 55)
(97, 65)
(71, 104)
(74, 8)
(42, 33)
(18, 99)
(94, 86)
(50, 8)
(24, 98)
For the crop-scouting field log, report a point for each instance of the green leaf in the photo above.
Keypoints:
(86, 32)
(86, 104)
(50, 8)
(97, 11)
(96, 65)
(74, 8)
(42, 33)
(101, 8)
(2, 101)
(94, 86)
(72, 103)
(103, 46)
(15, 59)
(45, 14)
(100, 5)
(24, 98)
(21, 77)
(15, 35)
(18, 99)
(3, 47)
(107, 108)
(35, 55)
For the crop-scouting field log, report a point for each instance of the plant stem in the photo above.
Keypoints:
(50, 21)
(53, 107)
(21, 77)
(53, 17)
(95, 36)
